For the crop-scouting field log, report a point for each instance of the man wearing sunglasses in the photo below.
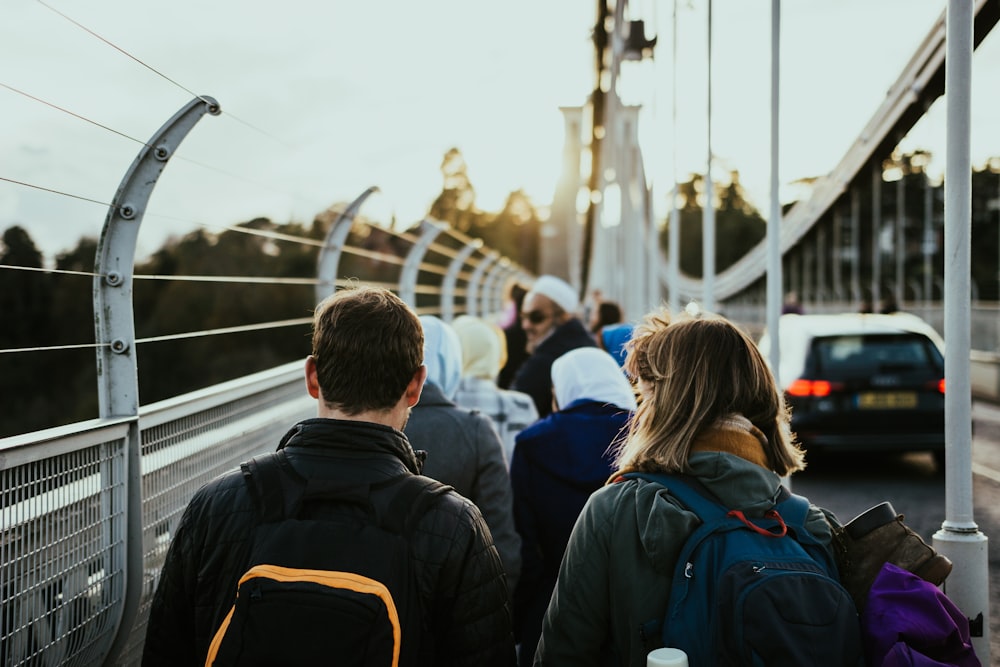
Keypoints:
(552, 329)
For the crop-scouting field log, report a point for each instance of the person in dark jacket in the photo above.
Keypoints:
(558, 462)
(552, 329)
(514, 339)
(463, 448)
(366, 372)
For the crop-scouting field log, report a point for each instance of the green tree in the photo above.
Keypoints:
(738, 224)
(73, 309)
(165, 307)
(457, 202)
(27, 382)
(513, 231)
(25, 296)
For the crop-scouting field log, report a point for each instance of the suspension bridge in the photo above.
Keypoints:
(88, 509)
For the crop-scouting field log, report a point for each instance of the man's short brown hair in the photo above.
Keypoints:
(368, 344)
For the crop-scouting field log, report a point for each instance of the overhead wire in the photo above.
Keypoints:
(198, 163)
(405, 235)
(158, 72)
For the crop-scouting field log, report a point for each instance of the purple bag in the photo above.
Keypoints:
(909, 622)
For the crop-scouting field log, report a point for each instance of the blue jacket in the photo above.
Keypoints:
(558, 462)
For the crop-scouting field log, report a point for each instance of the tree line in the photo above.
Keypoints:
(46, 388)
(37, 310)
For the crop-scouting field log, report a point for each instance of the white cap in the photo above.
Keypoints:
(559, 291)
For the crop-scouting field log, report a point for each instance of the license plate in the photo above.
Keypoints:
(887, 400)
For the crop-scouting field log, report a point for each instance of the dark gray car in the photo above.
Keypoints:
(863, 382)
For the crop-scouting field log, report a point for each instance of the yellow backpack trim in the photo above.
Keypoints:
(333, 579)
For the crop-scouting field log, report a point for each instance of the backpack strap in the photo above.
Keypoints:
(696, 497)
(413, 497)
(267, 485)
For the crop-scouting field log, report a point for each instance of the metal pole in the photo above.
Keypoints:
(876, 235)
(451, 278)
(708, 213)
(598, 131)
(838, 266)
(429, 230)
(899, 242)
(474, 299)
(928, 235)
(959, 538)
(336, 236)
(674, 275)
(820, 251)
(856, 245)
(117, 365)
(774, 218)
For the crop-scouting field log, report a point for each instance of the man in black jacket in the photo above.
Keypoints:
(366, 372)
(548, 317)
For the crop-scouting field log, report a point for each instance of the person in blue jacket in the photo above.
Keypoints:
(558, 462)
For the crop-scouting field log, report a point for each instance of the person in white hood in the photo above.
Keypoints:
(558, 462)
(482, 357)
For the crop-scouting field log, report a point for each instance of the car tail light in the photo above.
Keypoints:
(935, 384)
(804, 387)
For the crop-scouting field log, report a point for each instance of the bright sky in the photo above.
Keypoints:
(321, 100)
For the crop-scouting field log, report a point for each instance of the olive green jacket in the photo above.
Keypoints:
(616, 573)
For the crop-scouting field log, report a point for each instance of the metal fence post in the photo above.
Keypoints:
(117, 370)
(475, 282)
(411, 267)
(336, 236)
(451, 278)
(490, 286)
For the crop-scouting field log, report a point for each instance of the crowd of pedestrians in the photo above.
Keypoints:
(526, 545)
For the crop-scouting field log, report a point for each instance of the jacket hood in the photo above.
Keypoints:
(735, 481)
(573, 444)
(591, 373)
(481, 347)
(442, 354)
(356, 437)
(432, 395)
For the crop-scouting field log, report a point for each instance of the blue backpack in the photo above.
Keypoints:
(755, 592)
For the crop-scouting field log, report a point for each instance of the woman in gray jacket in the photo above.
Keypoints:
(709, 408)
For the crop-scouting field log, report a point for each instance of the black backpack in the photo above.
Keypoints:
(329, 576)
(754, 592)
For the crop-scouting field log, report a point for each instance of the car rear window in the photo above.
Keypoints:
(872, 353)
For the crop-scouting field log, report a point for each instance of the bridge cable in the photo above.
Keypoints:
(260, 184)
(159, 73)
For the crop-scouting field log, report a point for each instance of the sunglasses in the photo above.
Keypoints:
(535, 316)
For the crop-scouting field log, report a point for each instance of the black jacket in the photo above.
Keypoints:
(465, 452)
(535, 375)
(458, 570)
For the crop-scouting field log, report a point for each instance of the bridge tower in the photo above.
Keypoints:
(612, 249)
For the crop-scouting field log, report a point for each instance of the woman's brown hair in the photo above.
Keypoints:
(692, 373)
